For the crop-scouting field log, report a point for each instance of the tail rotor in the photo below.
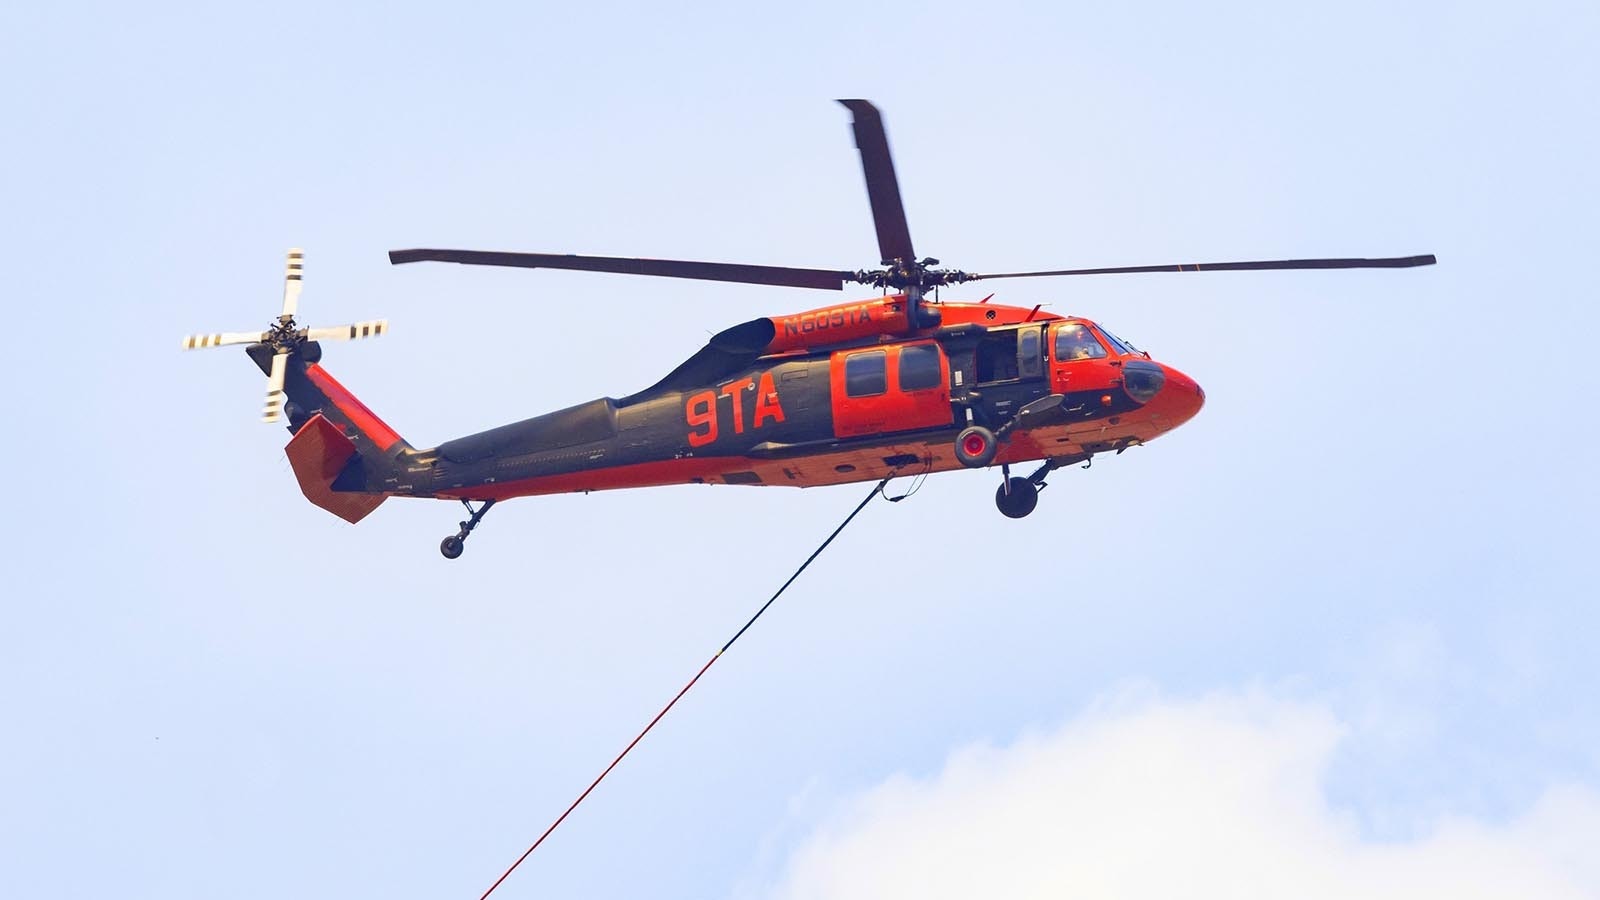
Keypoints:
(291, 284)
(273, 410)
(371, 328)
(285, 337)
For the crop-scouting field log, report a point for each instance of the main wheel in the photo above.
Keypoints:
(976, 446)
(452, 546)
(1019, 500)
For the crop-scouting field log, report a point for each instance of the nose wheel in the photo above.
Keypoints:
(1017, 497)
(454, 545)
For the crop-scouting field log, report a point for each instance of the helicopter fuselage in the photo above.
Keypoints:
(829, 413)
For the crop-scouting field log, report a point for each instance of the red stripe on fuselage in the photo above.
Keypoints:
(364, 419)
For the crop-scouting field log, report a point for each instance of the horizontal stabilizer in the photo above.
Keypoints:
(318, 452)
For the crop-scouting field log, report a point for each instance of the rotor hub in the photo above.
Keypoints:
(900, 275)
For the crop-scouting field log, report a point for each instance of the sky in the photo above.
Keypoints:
(1332, 637)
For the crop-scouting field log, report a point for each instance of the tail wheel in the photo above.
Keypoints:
(976, 446)
(452, 546)
(1016, 498)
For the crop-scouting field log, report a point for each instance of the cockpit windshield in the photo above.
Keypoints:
(1122, 347)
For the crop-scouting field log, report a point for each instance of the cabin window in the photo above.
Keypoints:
(919, 367)
(1029, 363)
(1075, 341)
(866, 374)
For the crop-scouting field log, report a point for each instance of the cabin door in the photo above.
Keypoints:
(891, 388)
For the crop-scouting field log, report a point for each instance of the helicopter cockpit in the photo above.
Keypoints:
(1141, 378)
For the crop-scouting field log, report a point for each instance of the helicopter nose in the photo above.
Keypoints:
(1181, 397)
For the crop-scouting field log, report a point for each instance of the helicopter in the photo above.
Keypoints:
(896, 384)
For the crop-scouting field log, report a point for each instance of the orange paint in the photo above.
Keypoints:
(841, 323)
(702, 416)
(739, 387)
(364, 419)
(894, 409)
(767, 403)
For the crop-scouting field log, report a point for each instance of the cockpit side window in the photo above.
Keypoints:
(1074, 340)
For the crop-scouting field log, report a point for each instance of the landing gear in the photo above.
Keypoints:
(1016, 498)
(455, 544)
(976, 446)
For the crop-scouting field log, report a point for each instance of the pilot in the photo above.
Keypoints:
(1075, 342)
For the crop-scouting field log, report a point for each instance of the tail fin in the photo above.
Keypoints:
(346, 459)
(320, 452)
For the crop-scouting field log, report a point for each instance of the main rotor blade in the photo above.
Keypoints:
(291, 283)
(883, 189)
(821, 279)
(273, 410)
(351, 332)
(1393, 262)
(199, 341)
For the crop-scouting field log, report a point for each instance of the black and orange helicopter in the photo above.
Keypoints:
(895, 384)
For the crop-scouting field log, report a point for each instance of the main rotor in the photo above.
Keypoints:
(901, 271)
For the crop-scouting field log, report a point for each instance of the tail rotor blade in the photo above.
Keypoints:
(201, 341)
(372, 328)
(273, 410)
(291, 284)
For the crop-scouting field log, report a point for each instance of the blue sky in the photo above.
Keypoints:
(1366, 567)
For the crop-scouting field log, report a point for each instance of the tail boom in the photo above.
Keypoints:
(365, 420)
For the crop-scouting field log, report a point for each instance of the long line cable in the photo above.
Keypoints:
(718, 655)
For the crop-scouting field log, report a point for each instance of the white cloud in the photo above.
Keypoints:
(1219, 797)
